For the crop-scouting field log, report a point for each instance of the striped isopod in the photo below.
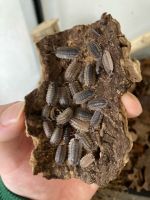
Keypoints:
(74, 87)
(65, 116)
(80, 125)
(86, 141)
(60, 154)
(65, 98)
(74, 152)
(81, 76)
(83, 114)
(48, 128)
(67, 134)
(45, 111)
(107, 62)
(96, 119)
(83, 96)
(95, 49)
(52, 94)
(72, 71)
(97, 104)
(67, 52)
(87, 160)
(56, 135)
(89, 75)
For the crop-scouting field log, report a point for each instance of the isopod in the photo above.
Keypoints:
(56, 135)
(67, 52)
(83, 114)
(89, 75)
(87, 160)
(97, 104)
(48, 128)
(65, 98)
(80, 125)
(86, 141)
(74, 87)
(74, 152)
(83, 96)
(67, 134)
(81, 76)
(96, 119)
(72, 71)
(65, 116)
(107, 62)
(98, 66)
(95, 49)
(45, 111)
(60, 154)
(52, 94)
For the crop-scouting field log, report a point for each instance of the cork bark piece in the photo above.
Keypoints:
(93, 56)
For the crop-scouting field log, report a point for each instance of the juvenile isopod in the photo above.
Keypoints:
(74, 87)
(45, 111)
(65, 98)
(83, 114)
(60, 154)
(52, 94)
(86, 141)
(97, 104)
(95, 49)
(67, 134)
(83, 96)
(56, 135)
(96, 119)
(80, 125)
(48, 128)
(72, 71)
(65, 116)
(74, 152)
(107, 62)
(81, 76)
(89, 75)
(67, 52)
(87, 160)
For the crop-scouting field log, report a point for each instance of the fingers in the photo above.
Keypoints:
(12, 137)
(132, 105)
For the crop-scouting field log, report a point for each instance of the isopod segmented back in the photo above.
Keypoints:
(65, 99)
(67, 52)
(80, 125)
(107, 62)
(97, 104)
(52, 94)
(83, 96)
(95, 49)
(45, 111)
(72, 71)
(65, 116)
(83, 114)
(60, 154)
(56, 135)
(89, 75)
(87, 160)
(96, 119)
(74, 152)
(48, 128)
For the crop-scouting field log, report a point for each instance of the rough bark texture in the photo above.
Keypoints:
(110, 137)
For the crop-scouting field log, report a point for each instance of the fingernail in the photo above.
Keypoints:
(11, 114)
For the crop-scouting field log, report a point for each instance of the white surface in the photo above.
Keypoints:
(19, 72)
(133, 15)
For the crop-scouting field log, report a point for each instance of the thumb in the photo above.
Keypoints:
(11, 134)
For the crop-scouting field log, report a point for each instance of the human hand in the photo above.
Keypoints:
(15, 149)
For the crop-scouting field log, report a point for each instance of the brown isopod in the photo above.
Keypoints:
(86, 141)
(52, 94)
(83, 96)
(74, 87)
(48, 128)
(65, 98)
(97, 104)
(107, 62)
(95, 49)
(56, 135)
(74, 152)
(81, 76)
(89, 75)
(60, 154)
(67, 52)
(65, 116)
(87, 160)
(45, 111)
(96, 119)
(80, 125)
(83, 114)
(72, 71)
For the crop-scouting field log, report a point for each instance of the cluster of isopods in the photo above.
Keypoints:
(74, 108)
